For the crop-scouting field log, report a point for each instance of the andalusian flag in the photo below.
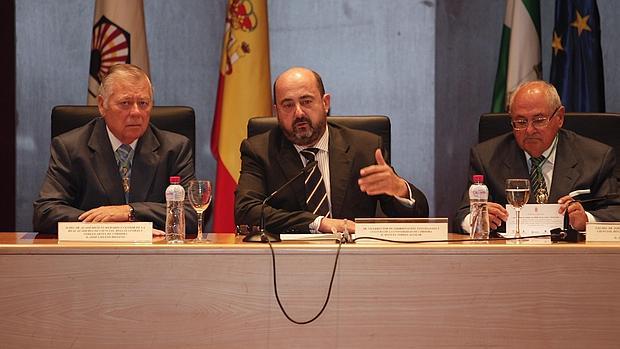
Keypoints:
(118, 37)
(244, 91)
(519, 56)
(577, 64)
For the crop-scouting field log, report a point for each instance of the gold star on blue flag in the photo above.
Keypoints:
(577, 59)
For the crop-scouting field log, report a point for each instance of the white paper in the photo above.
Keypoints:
(536, 219)
(105, 232)
(603, 231)
(402, 230)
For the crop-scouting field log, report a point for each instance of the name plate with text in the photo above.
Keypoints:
(105, 232)
(402, 229)
(603, 232)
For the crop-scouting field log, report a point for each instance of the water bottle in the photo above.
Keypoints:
(175, 211)
(479, 212)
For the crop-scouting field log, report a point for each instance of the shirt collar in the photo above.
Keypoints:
(549, 153)
(116, 143)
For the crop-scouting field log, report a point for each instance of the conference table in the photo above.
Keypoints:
(221, 294)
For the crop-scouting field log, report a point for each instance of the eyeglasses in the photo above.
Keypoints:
(538, 122)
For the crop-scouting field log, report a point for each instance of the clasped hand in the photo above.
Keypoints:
(119, 213)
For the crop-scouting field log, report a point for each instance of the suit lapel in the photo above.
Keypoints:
(564, 169)
(102, 158)
(514, 166)
(145, 163)
(290, 164)
(340, 162)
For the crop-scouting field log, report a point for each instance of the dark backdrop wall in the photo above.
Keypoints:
(429, 65)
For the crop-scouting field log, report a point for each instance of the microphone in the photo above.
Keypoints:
(569, 234)
(263, 235)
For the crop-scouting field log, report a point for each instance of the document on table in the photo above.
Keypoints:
(536, 219)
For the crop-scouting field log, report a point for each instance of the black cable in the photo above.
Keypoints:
(329, 291)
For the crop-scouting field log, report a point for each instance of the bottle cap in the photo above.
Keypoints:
(175, 179)
(478, 178)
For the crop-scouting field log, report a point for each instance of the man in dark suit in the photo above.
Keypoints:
(115, 168)
(565, 160)
(353, 174)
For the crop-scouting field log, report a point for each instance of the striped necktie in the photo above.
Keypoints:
(539, 186)
(316, 195)
(124, 156)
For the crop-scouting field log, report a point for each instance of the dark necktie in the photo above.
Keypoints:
(539, 187)
(123, 159)
(316, 195)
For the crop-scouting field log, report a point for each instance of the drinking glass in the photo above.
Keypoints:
(199, 192)
(517, 194)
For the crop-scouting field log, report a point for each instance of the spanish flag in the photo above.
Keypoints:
(244, 91)
(118, 37)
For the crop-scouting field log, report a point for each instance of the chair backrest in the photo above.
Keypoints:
(377, 124)
(603, 127)
(178, 119)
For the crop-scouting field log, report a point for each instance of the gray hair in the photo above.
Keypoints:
(120, 72)
(551, 94)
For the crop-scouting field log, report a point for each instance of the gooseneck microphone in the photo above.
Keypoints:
(263, 235)
(569, 234)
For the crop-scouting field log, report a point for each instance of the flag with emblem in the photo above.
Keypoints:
(519, 56)
(243, 92)
(577, 58)
(118, 37)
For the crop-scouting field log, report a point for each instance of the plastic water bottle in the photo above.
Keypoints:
(175, 211)
(479, 212)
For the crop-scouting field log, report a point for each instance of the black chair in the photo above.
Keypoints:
(603, 127)
(377, 124)
(178, 119)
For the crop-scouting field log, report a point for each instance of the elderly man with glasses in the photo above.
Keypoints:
(556, 160)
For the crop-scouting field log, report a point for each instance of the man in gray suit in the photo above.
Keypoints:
(115, 168)
(352, 174)
(560, 160)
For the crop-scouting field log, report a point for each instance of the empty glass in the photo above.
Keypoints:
(199, 192)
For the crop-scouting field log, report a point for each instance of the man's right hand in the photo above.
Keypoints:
(328, 225)
(497, 214)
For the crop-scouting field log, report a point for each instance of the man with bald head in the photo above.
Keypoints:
(352, 173)
(115, 168)
(538, 147)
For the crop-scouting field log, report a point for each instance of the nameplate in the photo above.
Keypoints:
(401, 229)
(105, 232)
(603, 231)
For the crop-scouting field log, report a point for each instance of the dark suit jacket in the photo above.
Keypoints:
(83, 174)
(268, 160)
(580, 163)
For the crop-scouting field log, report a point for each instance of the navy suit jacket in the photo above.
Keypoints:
(83, 175)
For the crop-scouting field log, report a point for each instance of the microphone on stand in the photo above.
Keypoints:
(568, 234)
(263, 235)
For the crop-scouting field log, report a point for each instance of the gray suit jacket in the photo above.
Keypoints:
(268, 160)
(83, 174)
(580, 163)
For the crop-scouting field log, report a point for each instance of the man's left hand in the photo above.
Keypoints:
(118, 213)
(576, 214)
(381, 179)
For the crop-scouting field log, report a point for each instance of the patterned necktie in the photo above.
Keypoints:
(316, 195)
(123, 159)
(539, 187)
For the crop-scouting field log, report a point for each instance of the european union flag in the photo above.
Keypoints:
(577, 64)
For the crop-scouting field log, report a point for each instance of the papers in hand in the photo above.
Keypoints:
(535, 219)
